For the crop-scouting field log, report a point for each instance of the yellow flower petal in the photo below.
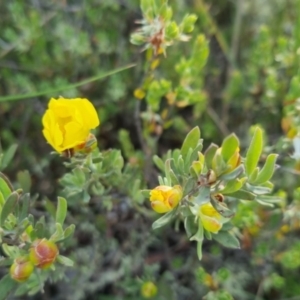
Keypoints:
(160, 207)
(208, 210)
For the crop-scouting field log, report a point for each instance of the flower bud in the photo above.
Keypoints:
(43, 253)
(21, 269)
(188, 23)
(210, 218)
(149, 289)
(164, 198)
(172, 31)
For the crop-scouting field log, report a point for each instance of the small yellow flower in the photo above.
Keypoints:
(210, 218)
(67, 122)
(164, 198)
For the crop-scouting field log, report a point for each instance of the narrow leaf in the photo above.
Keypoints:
(243, 195)
(65, 261)
(233, 174)
(233, 185)
(25, 202)
(159, 163)
(8, 156)
(61, 210)
(191, 141)
(58, 234)
(24, 180)
(165, 219)
(69, 231)
(267, 171)
(4, 188)
(227, 239)
(9, 206)
(189, 225)
(229, 146)
(254, 151)
(7, 285)
(209, 155)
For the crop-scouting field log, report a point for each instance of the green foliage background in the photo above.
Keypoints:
(251, 76)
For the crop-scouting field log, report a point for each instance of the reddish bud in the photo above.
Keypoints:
(21, 269)
(43, 253)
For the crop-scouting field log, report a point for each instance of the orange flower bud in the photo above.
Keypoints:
(164, 198)
(21, 269)
(43, 253)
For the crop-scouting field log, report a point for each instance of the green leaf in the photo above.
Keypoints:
(203, 195)
(69, 231)
(199, 237)
(180, 164)
(39, 228)
(7, 285)
(58, 234)
(145, 193)
(191, 141)
(9, 206)
(243, 195)
(229, 146)
(167, 169)
(2, 200)
(61, 210)
(267, 171)
(188, 160)
(65, 261)
(254, 151)
(189, 225)
(51, 209)
(4, 188)
(8, 156)
(233, 185)
(227, 239)
(24, 180)
(209, 155)
(4, 261)
(79, 175)
(165, 219)
(159, 163)
(258, 190)
(173, 178)
(25, 202)
(233, 174)
(254, 175)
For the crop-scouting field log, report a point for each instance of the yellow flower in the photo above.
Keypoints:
(67, 122)
(210, 218)
(164, 198)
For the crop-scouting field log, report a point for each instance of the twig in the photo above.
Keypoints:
(217, 120)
